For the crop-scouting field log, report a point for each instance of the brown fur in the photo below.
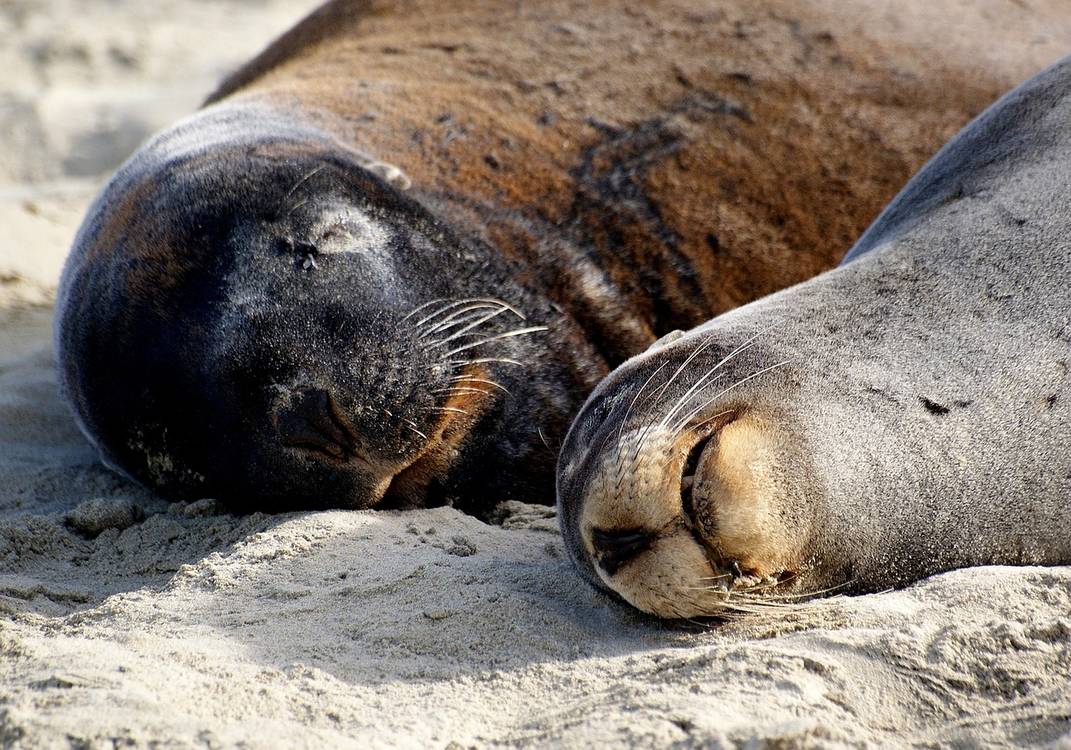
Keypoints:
(754, 141)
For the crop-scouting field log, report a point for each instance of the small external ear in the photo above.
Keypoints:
(389, 173)
(669, 338)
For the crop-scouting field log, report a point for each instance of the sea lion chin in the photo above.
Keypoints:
(905, 414)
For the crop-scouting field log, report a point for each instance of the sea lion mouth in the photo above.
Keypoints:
(708, 439)
(700, 519)
(691, 464)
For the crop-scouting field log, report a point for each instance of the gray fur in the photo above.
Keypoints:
(928, 386)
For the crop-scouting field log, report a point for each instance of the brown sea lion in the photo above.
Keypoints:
(905, 414)
(387, 261)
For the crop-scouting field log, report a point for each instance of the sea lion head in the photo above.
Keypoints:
(254, 311)
(683, 486)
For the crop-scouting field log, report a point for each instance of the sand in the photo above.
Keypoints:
(126, 621)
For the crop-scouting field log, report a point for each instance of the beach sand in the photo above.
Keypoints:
(126, 621)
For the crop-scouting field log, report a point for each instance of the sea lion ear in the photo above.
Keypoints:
(389, 173)
(669, 338)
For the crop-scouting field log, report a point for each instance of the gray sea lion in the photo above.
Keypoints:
(904, 414)
(387, 261)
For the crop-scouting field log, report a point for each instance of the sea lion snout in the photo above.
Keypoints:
(390, 465)
(614, 548)
(694, 512)
(309, 420)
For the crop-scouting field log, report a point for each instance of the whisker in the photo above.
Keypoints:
(459, 316)
(462, 331)
(768, 584)
(628, 412)
(757, 608)
(715, 578)
(417, 309)
(459, 389)
(469, 301)
(296, 206)
(646, 431)
(695, 353)
(480, 361)
(453, 409)
(806, 594)
(722, 392)
(440, 311)
(706, 421)
(298, 184)
(467, 379)
(497, 337)
(418, 432)
(539, 431)
(684, 399)
(680, 402)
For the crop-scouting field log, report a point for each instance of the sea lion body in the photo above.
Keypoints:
(387, 261)
(904, 414)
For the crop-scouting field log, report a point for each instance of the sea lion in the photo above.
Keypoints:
(905, 414)
(386, 262)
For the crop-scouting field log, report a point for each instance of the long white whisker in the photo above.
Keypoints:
(628, 411)
(418, 432)
(497, 337)
(695, 353)
(469, 301)
(475, 324)
(441, 310)
(459, 317)
(803, 595)
(683, 399)
(459, 389)
(417, 309)
(467, 379)
(449, 409)
(479, 361)
(647, 430)
(722, 392)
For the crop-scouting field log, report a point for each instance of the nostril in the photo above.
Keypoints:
(310, 420)
(615, 548)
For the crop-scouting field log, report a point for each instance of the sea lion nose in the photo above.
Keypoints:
(615, 548)
(309, 419)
